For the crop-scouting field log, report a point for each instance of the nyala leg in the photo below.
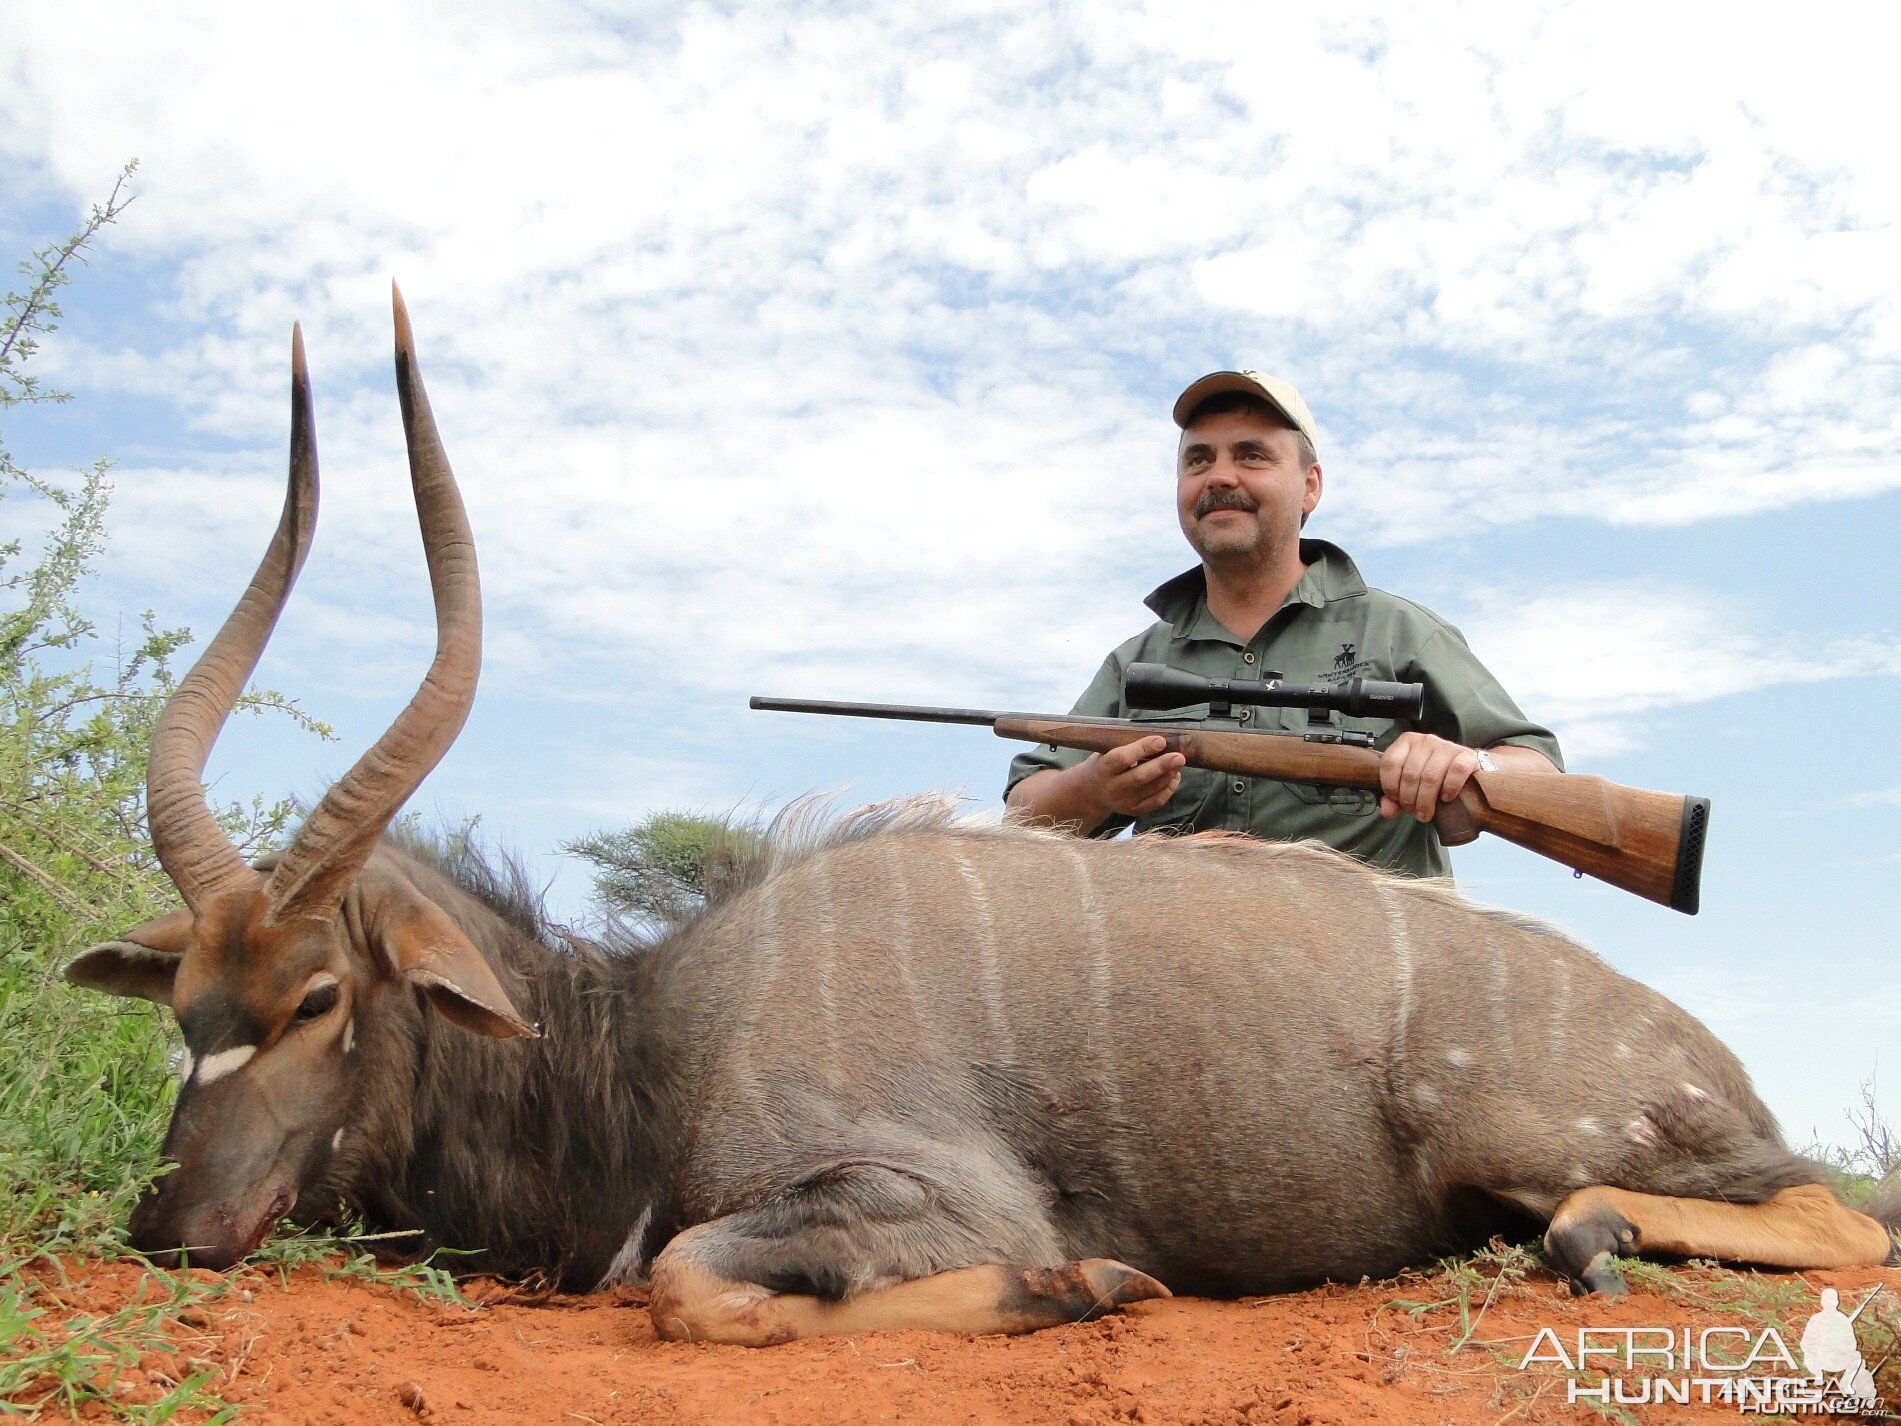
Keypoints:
(1801, 1227)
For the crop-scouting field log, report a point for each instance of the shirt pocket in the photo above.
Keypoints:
(1344, 801)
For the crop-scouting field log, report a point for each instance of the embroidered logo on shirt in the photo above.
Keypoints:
(1347, 664)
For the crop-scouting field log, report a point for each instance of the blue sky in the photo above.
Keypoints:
(827, 350)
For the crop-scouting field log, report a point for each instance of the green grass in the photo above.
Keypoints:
(353, 1256)
(1467, 1286)
(85, 1090)
(55, 1360)
(86, 1087)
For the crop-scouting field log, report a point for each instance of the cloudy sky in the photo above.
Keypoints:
(827, 350)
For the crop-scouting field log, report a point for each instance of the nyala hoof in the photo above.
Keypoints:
(1117, 1284)
(1585, 1246)
(1600, 1276)
(1078, 1291)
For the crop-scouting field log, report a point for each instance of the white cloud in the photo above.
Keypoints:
(865, 331)
(1595, 659)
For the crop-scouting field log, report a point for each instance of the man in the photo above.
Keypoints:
(1266, 603)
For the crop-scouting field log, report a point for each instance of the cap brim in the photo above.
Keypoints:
(1219, 383)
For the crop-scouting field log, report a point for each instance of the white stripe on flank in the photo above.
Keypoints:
(629, 1265)
(1102, 1040)
(898, 908)
(1402, 962)
(1098, 964)
(826, 938)
(1097, 969)
(765, 948)
(1561, 1008)
(213, 1068)
(990, 972)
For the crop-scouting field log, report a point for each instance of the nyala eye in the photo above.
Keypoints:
(320, 1001)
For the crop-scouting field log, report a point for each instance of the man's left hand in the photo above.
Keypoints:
(1419, 772)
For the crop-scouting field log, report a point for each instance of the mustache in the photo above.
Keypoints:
(1225, 500)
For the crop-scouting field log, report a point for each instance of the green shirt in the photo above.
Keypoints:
(1331, 628)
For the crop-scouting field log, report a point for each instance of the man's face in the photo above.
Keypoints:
(1240, 489)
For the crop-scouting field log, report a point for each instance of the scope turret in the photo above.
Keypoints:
(1154, 685)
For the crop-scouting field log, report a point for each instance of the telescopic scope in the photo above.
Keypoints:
(1154, 685)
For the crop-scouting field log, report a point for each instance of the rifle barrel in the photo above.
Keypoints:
(904, 711)
(1866, 1300)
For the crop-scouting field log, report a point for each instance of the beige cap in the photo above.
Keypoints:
(1277, 393)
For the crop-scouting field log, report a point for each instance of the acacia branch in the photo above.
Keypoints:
(103, 868)
(53, 887)
(51, 275)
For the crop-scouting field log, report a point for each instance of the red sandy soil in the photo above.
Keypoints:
(341, 1352)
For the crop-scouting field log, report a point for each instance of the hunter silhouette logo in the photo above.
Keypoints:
(1830, 1353)
(1750, 1368)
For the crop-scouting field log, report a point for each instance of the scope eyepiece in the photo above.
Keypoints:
(1154, 685)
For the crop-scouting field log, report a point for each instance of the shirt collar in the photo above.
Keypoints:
(1183, 600)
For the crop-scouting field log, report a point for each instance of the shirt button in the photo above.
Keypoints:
(1247, 658)
(1239, 786)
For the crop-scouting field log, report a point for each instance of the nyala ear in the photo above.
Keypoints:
(422, 945)
(143, 963)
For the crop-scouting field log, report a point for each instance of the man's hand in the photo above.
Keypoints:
(1135, 778)
(1419, 772)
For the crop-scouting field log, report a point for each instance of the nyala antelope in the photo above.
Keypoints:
(910, 1073)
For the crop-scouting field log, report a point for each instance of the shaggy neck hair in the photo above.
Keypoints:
(536, 1158)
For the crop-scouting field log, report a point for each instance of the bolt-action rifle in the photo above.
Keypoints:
(1650, 843)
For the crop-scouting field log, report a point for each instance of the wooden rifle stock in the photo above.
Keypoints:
(1650, 843)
